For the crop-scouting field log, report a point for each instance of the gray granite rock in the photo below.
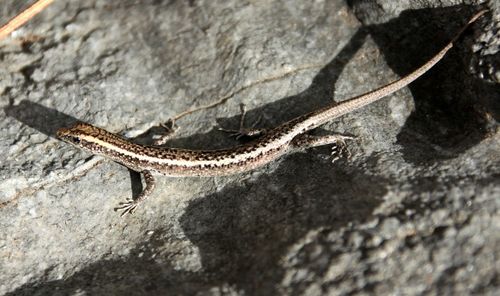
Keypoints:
(416, 210)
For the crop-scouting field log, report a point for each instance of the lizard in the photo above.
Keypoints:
(272, 144)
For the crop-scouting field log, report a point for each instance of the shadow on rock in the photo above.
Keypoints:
(44, 119)
(243, 232)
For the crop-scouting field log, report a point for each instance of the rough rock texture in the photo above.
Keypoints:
(415, 210)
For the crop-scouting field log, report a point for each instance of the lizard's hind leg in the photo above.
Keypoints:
(339, 148)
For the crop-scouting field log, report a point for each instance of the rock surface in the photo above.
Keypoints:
(415, 210)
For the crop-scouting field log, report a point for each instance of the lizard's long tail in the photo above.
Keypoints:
(328, 113)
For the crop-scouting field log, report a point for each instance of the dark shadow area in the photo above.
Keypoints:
(241, 232)
(135, 183)
(449, 115)
(45, 120)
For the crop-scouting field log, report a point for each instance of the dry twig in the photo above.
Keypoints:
(23, 17)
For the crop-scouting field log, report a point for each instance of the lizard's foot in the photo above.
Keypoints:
(244, 132)
(170, 128)
(128, 207)
(340, 150)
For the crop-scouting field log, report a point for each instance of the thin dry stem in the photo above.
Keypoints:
(23, 17)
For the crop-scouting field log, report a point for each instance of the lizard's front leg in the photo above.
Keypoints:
(131, 204)
(170, 128)
(251, 132)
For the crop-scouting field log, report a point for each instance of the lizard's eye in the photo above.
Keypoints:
(75, 140)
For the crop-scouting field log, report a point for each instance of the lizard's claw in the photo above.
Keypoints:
(127, 207)
(340, 150)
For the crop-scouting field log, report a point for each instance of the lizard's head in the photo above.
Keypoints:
(82, 135)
